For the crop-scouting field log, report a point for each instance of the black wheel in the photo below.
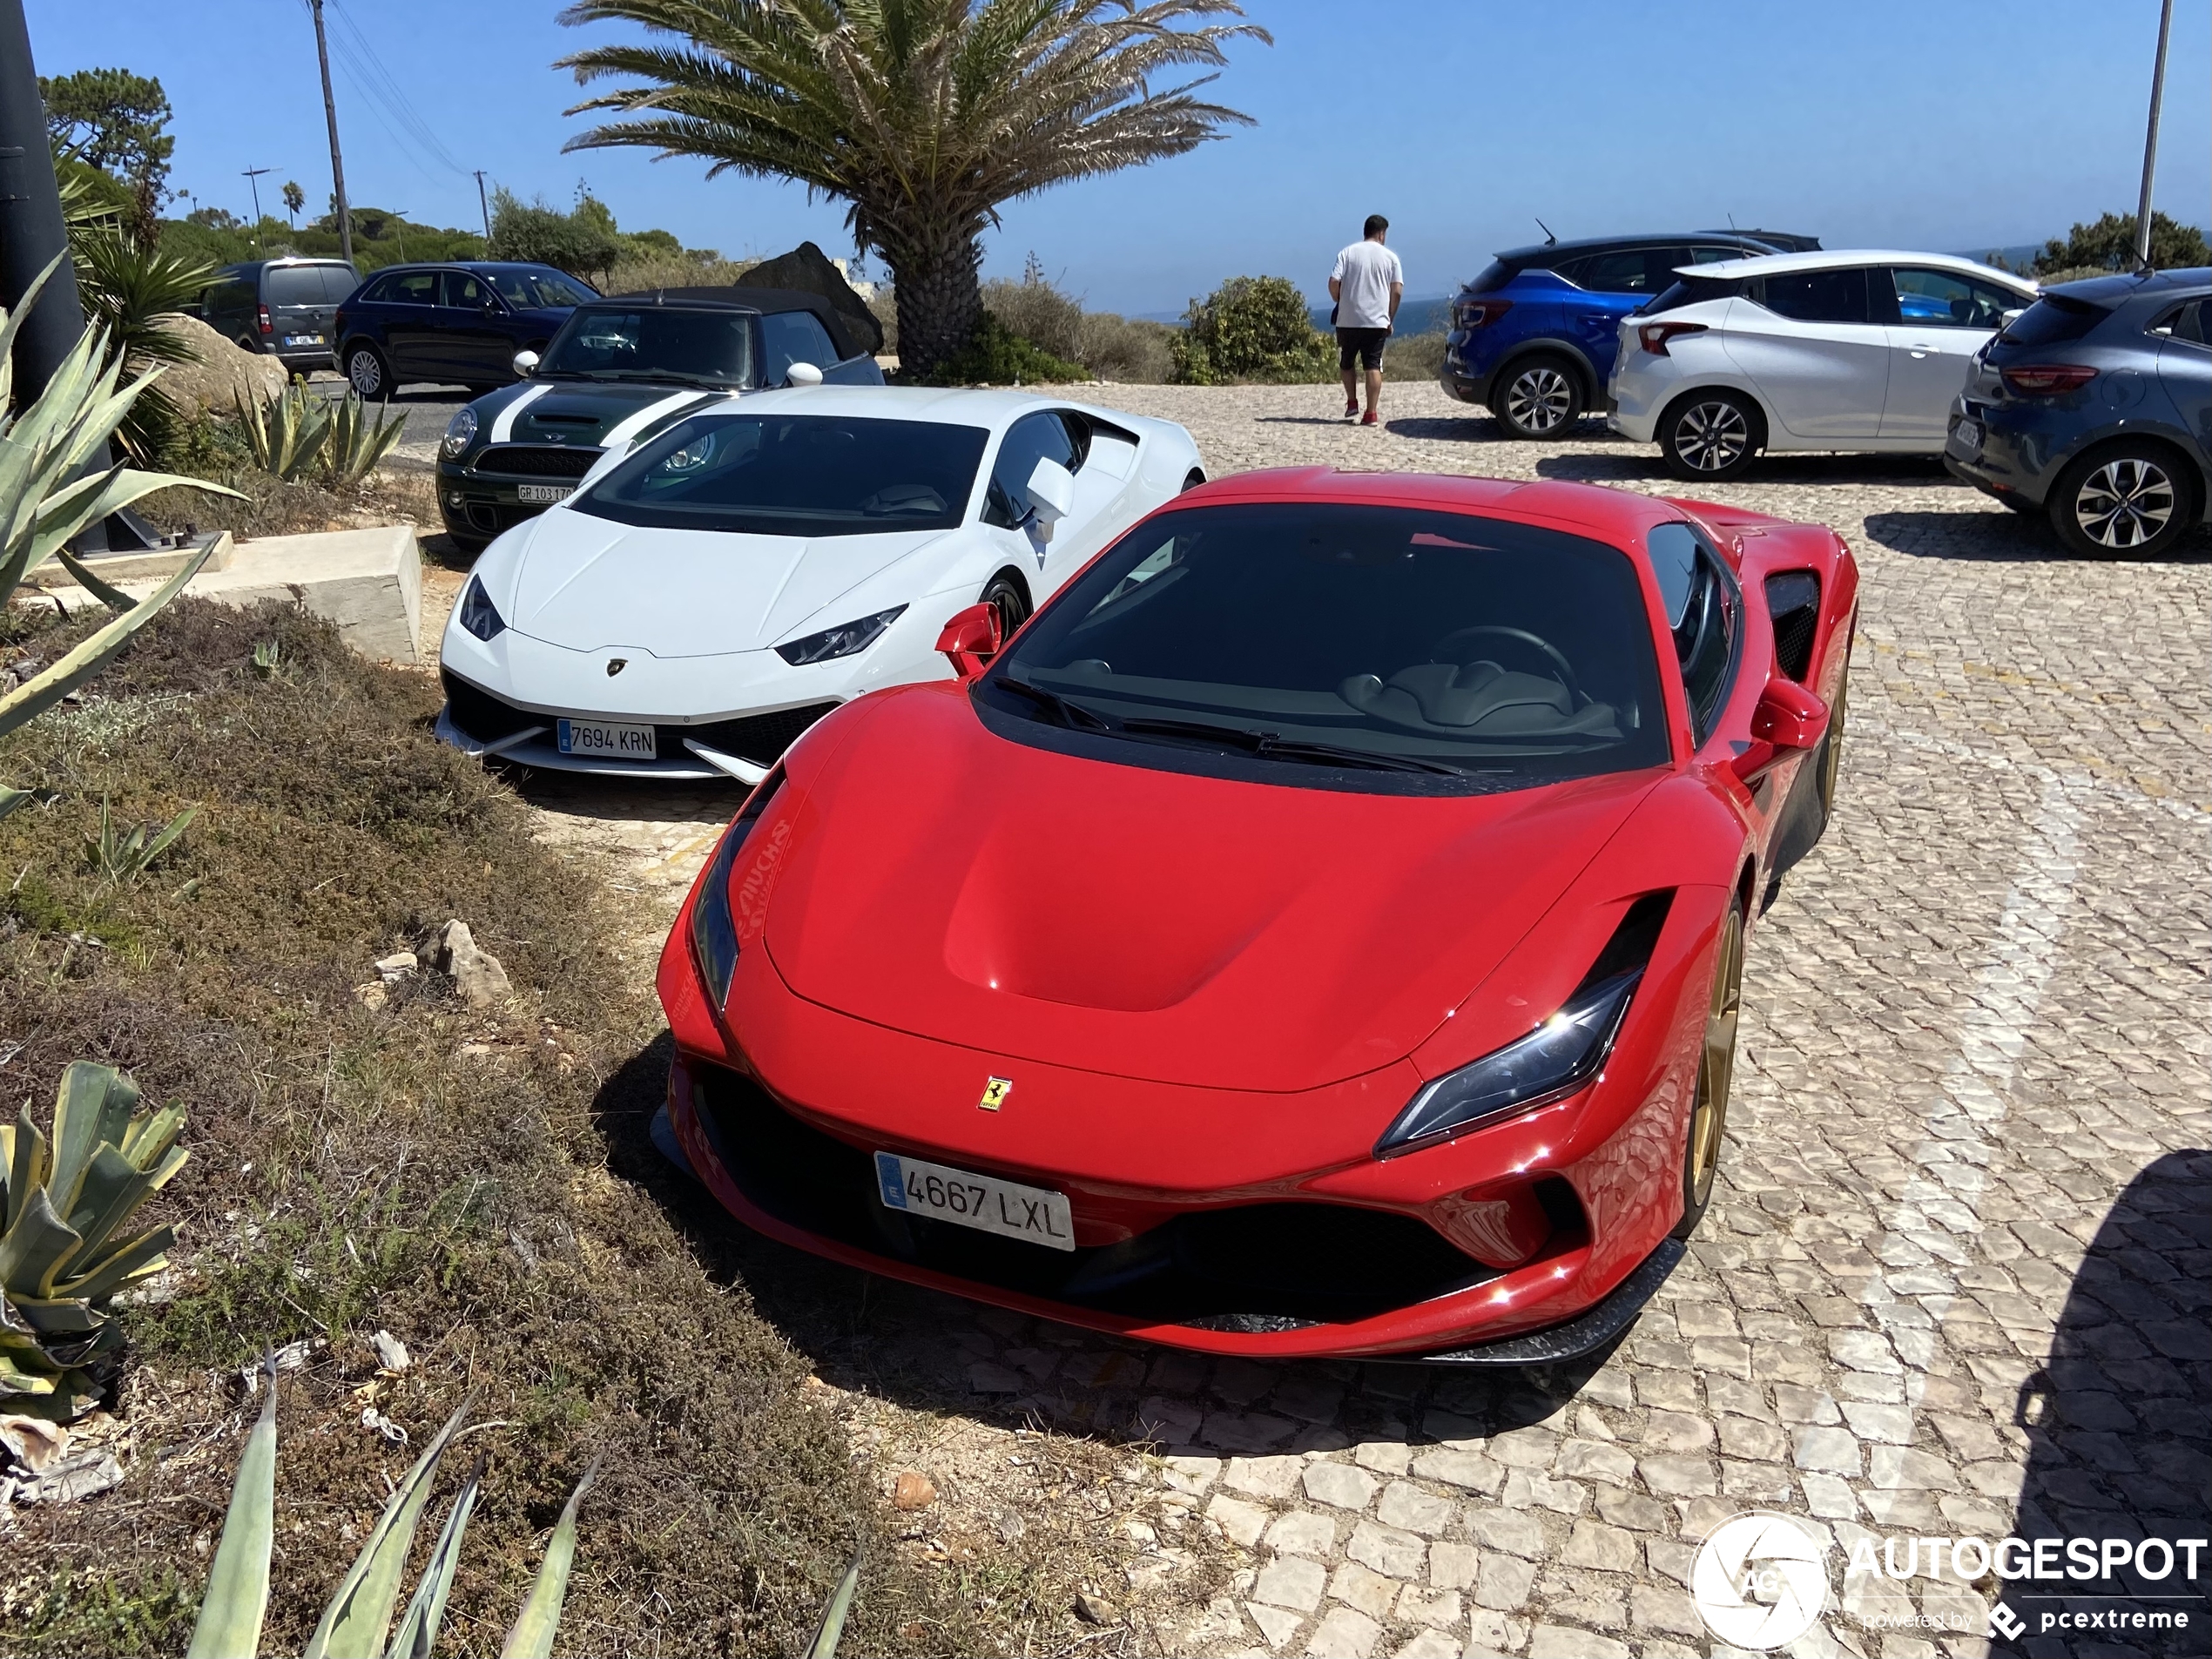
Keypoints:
(367, 372)
(1537, 397)
(1710, 436)
(1192, 479)
(1005, 594)
(1700, 1157)
(2130, 500)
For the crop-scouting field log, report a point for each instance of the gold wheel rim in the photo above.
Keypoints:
(1832, 761)
(1716, 1065)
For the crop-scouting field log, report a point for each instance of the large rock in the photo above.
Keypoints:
(221, 374)
(476, 973)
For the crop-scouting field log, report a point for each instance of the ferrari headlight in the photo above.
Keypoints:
(714, 928)
(478, 615)
(1555, 1060)
(845, 639)
(461, 432)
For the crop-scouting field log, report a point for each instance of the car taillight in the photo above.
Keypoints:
(2046, 380)
(268, 327)
(1480, 313)
(1654, 336)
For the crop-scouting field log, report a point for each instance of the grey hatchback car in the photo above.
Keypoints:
(2094, 405)
(280, 307)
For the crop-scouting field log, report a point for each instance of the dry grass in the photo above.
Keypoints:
(479, 1183)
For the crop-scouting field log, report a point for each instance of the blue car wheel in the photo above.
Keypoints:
(1537, 397)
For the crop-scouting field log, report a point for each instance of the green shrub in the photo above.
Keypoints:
(1251, 329)
(1107, 347)
(998, 356)
(2109, 245)
(1414, 357)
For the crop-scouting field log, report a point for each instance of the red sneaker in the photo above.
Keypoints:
(1351, 407)
(1368, 419)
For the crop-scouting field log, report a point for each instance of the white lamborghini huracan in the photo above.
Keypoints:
(704, 597)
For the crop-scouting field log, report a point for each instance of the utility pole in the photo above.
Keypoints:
(337, 161)
(2151, 139)
(486, 206)
(253, 178)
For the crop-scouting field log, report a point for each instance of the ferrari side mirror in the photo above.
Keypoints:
(971, 639)
(1787, 719)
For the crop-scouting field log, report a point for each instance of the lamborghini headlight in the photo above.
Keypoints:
(714, 928)
(461, 432)
(478, 615)
(847, 639)
(1552, 1062)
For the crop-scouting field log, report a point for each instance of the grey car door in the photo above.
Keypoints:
(2185, 370)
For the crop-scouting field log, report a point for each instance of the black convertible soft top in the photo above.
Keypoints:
(842, 333)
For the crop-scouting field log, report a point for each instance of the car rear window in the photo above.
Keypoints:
(1494, 276)
(1461, 652)
(795, 474)
(307, 285)
(1688, 291)
(2052, 320)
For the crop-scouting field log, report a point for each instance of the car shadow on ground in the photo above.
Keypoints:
(615, 800)
(2119, 1423)
(934, 1353)
(2002, 536)
(1482, 429)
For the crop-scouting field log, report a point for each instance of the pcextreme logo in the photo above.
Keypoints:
(1760, 1580)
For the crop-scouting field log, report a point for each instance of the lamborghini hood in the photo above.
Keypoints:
(958, 885)
(588, 584)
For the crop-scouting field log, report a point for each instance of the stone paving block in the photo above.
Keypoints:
(1675, 1475)
(1443, 1608)
(1246, 1432)
(1291, 1581)
(1340, 1484)
(1513, 1531)
(1387, 1549)
(1523, 1489)
(1595, 1460)
(1384, 1457)
(1607, 1549)
(1369, 1591)
(1302, 1533)
(1451, 1567)
(1503, 1581)
(1653, 1607)
(1262, 1477)
(1239, 1521)
(1871, 1421)
(1565, 1642)
(1344, 1634)
(1469, 1469)
(1405, 1505)
(1429, 1644)
(1895, 1467)
(1277, 1624)
(1524, 1448)
(1833, 1451)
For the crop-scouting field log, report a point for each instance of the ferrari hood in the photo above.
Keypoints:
(959, 886)
(588, 584)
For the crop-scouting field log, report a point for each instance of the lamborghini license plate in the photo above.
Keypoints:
(543, 492)
(982, 1201)
(607, 740)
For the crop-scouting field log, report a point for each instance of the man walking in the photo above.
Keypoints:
(1366, 285)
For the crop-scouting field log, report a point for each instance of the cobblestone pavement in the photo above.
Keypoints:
(1974, 1035)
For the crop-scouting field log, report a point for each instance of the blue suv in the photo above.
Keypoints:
(1533, 337)
(457, 324)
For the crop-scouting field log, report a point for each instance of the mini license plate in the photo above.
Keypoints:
(1965, 436)
(304, 340)
(545, 492)
(605, 738)
(979, 1201)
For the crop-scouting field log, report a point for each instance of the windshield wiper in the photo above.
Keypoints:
(1274, 746)
(1071, 713)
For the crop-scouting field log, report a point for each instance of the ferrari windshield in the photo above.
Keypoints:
(1366, 639)
(712, 346)
(795, 474)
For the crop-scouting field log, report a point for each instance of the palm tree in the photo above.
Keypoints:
(924, 115)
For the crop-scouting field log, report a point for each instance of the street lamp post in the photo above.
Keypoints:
(2150, 137)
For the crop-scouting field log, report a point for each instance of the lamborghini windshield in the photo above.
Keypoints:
(1433, 644)
(709, 345)
(795, 475)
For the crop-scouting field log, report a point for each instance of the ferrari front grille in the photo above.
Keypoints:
(534, 461)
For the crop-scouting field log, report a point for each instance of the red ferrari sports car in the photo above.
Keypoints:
(1318, 931)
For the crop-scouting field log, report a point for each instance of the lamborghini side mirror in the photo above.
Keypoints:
(971, 639)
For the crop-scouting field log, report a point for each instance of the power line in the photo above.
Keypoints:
(384, 89)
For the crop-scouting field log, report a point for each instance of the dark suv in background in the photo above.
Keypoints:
(282, 308)
(1533, 338)
(458, 324)
(2094, 405)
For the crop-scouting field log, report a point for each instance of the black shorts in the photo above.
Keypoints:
(1365, 345)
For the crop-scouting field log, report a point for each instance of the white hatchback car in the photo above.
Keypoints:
(705, 597)
(1829, 351)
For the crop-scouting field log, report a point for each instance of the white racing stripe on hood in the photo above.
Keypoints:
(503, 424)
(625, 431)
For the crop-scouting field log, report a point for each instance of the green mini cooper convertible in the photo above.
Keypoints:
(621, 369)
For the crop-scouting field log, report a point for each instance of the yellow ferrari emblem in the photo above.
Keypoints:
(996, 1089)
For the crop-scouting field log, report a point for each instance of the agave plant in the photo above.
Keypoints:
(287, 433)
(123, 853)
(47, 497)
(359, 1618)
(66, 1248)
(358, 441)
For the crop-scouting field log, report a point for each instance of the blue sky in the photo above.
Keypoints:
(1926, 124)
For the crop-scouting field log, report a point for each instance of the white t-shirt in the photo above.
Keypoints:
(1366, 272)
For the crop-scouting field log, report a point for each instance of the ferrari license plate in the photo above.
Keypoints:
(982, 1201)
(1965, 436)
(605, 738)
(545, 492)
